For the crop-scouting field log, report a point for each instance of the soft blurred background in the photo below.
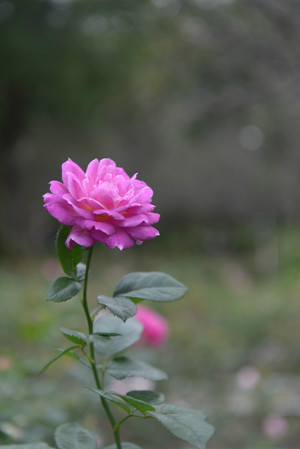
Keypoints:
(202, 99)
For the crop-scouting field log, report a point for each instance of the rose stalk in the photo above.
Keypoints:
(106, 205)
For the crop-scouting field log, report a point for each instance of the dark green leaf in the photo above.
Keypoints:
(69, 258)
(142, 406)
(71, 348)
(124, 446)
(153, 286)
(74, 336)
(186, 424)
(62, 289)
(122, 367)
(119, 306)
(71, 436)
(112, 398)
(75, 356)
(149, 396)
(83, 360)
(129, 333)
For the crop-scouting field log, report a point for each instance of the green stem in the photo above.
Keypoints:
(117, 426)
(85, 284)
(131, 415)
(92, 351)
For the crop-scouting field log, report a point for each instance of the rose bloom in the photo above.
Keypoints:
(156, 328)
(102, 204)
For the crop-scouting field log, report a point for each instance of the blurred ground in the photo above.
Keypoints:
(233, 349)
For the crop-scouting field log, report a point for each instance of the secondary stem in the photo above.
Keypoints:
(92, 351)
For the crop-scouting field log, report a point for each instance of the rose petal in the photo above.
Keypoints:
(60, 211)
(70, 167)
(143, 232)
(103, 194)
(144, 195)
(120, 239)
(80, 211)
(92, 171)
(135, 220)
(58, 188)
(105, 227)
(74, 186)
(80, 236)
(109, 213)
(153, 218)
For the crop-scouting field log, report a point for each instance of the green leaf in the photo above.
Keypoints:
(153, 286)
(112, 398)
(62, 289)
(133, 403)
(149, 396)
(129, 333)
(76, 337)
(119, 306)
(121, 367)
(186, 424)
(80, 271)
(139, 405)
(72, 436)
(105, 334)
(124, 446)
(75, 356)
(59, 356)
(69, 258)
(26, 446)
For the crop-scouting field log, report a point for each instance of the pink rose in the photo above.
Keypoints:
(156, 328)
(103, 204)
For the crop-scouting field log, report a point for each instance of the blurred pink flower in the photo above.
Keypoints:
(5, 363)
(248, 377)
(156, 328)
(102, 204)
(275, 426)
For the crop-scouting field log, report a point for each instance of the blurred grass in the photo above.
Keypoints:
(241, 316)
